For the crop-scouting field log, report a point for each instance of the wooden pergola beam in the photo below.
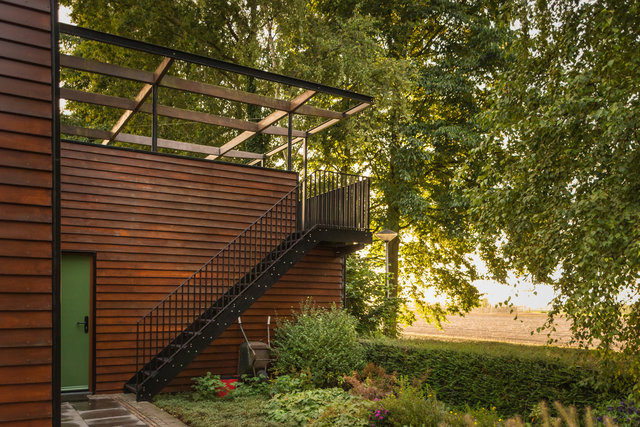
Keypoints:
(92, 66)
(315, 130)
(272, 118)
(176, 113)
(163, 143)
(139, 99)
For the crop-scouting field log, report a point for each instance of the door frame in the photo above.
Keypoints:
(92, 314)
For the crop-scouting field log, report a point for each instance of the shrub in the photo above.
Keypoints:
(322, 342)
(373, 383)
(251, 386)
(291, 383)
(512, 383)
(410, 406)
(208, 386)
(330, 406)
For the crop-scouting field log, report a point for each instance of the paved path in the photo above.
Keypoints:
(115, 410)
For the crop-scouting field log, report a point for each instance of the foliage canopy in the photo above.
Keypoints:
(558, 196)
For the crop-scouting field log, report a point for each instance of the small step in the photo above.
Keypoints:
(131, 387)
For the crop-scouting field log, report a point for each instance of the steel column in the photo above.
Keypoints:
(154, 125)
(289, 141)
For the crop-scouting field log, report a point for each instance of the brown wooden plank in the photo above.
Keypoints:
(125, 173)
(24, 230)
(41, 5)
(200, 167)
(30, 143)
(21, 159)
(26, 283)
(257, 202)
(23, 124)
(92, 66)
(25, 338)
(36, 319)
(25, 177)
(26, 414)
(25, 393)
(107, 183)
(25, 88)
(24, 16)
(24, 71)
(24, 195)
(15, 266)
(25, 35)
(25, 106)
(193, 86)
(25, 302)
(268, 121)
(24, 53)
(161, 142)
(25, 374)
(25, 356)
(140, 98)
(156, 216)
(173, 112)
(11, 212)
(23, 248)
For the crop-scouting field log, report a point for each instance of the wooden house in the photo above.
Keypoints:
(127, 268)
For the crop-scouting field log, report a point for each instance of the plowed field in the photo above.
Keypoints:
(493, 327)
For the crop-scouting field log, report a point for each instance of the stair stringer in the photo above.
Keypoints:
(223, 319)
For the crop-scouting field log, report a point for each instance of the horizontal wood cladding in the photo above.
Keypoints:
(318, 276)
(152, 221)
(25, 213)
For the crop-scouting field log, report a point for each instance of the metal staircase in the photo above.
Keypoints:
(327, 207)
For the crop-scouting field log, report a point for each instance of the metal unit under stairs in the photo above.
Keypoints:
(327, 207)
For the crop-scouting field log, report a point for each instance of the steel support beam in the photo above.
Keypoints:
(209, 62)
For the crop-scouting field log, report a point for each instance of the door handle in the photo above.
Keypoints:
(85, 323)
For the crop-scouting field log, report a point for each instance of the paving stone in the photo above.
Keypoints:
(104, 413)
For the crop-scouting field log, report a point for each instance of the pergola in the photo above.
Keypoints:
(161, 78)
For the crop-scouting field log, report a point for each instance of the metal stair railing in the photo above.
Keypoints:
(316, 200)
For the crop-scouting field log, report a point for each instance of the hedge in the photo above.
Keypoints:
(514, 385)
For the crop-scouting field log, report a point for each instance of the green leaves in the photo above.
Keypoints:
(319, 341)
(559, 192)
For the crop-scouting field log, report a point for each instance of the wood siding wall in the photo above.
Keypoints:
(25, 213)
(152, 221)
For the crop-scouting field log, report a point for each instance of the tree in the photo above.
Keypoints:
(559, 194)
(428, 65)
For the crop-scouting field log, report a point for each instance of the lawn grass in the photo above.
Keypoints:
(236, 412)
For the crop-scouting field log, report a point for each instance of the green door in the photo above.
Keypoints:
(75, 285)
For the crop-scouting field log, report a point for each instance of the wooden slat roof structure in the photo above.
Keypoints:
(161, 78)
